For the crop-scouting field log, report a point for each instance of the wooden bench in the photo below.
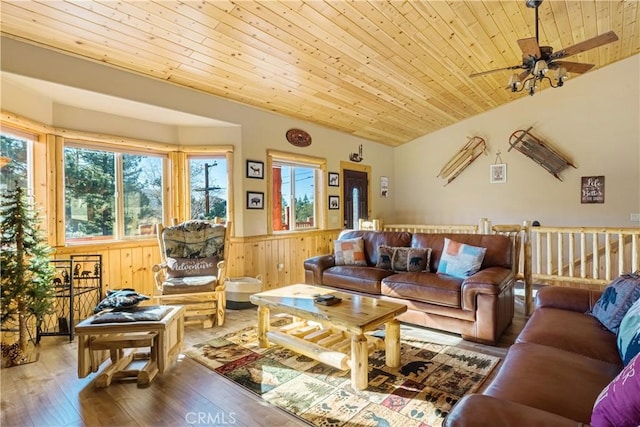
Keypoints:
(117, 341)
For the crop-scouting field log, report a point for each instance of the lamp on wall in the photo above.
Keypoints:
(357, 157)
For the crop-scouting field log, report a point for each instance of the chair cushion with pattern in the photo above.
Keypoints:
(194, 239)
(185, 285)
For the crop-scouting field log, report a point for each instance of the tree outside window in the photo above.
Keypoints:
(93, 205)
(294, 196)
(14, 155)
(142, 194)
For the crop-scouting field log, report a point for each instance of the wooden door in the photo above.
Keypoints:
(355, 196)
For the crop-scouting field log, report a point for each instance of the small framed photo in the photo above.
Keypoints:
(384, 186)
(334, 202)
(255, 169)
(255, 200)
(498, 173)
(334, 179)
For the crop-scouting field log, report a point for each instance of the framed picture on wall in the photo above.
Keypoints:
(255, 169)
(334, 202)
(592, 189)
(255, 200)
(334, 179)
(498, 173)
(384, 186)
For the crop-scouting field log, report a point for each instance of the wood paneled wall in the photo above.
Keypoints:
(277, 259)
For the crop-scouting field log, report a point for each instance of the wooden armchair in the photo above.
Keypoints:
(192, 271)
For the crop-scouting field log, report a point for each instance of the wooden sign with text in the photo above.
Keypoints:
(592, 189)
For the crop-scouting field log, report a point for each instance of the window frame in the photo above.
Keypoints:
(119, 226)
(214, 151)
(321, 189)
(48, 174)
(36, 158)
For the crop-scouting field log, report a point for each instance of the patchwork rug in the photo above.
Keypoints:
(431, 379)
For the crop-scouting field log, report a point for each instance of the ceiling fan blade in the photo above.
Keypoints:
(573, 67)
(592, 43)
(482, 73)
(529, 47)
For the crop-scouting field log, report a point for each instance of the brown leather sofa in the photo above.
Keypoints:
(552, 375)
(479, 308)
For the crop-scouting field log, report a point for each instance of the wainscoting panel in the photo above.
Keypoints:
(278, 260)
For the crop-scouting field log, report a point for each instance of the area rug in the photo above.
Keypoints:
(431, 379)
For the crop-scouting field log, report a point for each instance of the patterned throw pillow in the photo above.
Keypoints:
(619, 403)
(120, 299)
(460, 260)
(189, 267)
(616, 299)
(194, 239)
(629, 333)
(349, 252)
(403, 258)
(385, 257)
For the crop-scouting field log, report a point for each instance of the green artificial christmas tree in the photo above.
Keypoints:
(26, 273)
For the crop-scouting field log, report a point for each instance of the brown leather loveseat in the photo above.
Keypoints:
(553, 374)
(479, 308)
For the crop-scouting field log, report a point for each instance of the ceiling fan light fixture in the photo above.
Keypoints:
(537, 60)
(514, 82)
(561, 76)
(540, 69)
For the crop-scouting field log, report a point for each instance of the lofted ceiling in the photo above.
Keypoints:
(388, 71)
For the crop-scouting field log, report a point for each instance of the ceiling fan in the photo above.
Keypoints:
(538, 60)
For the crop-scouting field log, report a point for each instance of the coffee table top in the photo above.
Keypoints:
(355, 313)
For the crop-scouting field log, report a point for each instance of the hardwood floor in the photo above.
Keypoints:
(48, 393)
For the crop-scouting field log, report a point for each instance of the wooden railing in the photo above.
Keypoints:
(583, 256)
(430, 228)
(586, 257)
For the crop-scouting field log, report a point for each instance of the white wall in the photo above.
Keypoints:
(251, 131)
(594, 120)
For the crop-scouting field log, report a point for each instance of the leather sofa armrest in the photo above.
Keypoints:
(478, 410)
(573, 299)
(314, 267)
(489, 281)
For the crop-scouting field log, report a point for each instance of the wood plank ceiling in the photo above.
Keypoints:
(388, 71)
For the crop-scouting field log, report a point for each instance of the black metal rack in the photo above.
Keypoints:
(78, 285)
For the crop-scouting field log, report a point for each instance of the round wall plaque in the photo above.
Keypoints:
(298, 137)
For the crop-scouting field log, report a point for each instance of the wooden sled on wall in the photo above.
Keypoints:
(463, 158)
(551, 160)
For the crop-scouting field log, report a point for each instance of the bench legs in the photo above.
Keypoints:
(116, 344)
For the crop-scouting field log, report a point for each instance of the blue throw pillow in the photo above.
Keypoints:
(629, 334)
(460, 260)
(616, 300)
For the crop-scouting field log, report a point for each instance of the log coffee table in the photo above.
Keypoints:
(334, 334)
